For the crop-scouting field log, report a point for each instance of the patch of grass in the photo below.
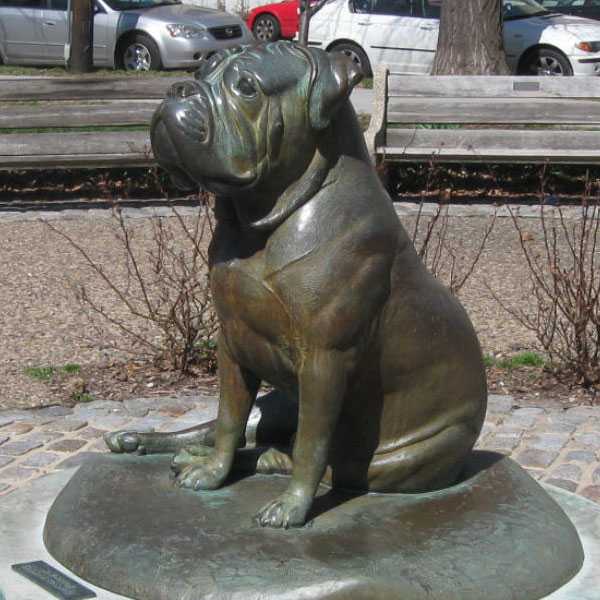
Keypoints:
(489, 360)
(366, 83)
(46, 373)
(83, 397)
(522, 359)
(40, 373)
(82, 129)
(62, 72)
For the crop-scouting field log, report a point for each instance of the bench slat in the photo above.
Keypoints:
(480, 145)
(65, 88)
(63, 114)
(70, 150)
(492, 86)
(543, 111)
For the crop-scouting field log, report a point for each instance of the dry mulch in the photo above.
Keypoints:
(43, 324)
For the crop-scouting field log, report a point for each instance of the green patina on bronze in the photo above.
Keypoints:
(319, 291)
(121, 524)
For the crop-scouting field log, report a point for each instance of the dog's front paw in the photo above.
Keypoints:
(124, 441)
(289, 510)
(206, 471)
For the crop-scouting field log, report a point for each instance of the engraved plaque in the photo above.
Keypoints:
(53, 581)
(526, 86)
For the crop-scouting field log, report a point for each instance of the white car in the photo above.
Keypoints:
(403, 34)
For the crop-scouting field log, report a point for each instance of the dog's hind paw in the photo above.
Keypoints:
(124, 441)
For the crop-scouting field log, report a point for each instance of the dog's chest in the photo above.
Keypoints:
(253, 319)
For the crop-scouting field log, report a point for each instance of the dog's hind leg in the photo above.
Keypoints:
(160, 442)
(433, 463)
(273, 420)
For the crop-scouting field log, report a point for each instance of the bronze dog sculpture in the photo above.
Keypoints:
(318, 289)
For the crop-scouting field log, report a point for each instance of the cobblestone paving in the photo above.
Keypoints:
(557, 446)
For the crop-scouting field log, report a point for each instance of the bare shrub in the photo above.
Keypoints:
(564, 313)
(168, 316)
(443, 252)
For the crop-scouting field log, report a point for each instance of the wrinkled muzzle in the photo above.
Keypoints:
(181, 126)
(201, 140)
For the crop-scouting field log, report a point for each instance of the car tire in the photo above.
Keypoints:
(546, 61)
(357, 55)
(140, 53)
(266, 28)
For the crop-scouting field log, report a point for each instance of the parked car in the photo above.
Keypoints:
(131, 34)
(403, 34)
(274, 21)
(590, 9)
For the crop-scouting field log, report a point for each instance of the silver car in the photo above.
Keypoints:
(131, 34)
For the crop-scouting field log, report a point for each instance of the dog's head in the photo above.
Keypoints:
(251, 115)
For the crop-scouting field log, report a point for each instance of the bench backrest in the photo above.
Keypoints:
(516, 119)
(78, 122)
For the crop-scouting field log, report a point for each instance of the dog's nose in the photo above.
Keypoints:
(194, 121)
(183, 89)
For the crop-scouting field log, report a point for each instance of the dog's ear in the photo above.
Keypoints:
(334, 76)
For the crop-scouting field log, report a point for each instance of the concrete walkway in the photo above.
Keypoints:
(556, 446)
(404, 209)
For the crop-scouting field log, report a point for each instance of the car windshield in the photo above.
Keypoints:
(519, 9)
(135, 4)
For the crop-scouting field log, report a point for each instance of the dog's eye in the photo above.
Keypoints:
(246, 87)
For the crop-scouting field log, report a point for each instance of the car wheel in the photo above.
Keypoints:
(140, 53)
(266, 28)
(546, 61)
(357, 55)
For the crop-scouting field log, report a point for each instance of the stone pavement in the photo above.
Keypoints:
(560, 447)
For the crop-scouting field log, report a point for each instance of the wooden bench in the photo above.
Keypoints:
(45, 122)
(485, 119)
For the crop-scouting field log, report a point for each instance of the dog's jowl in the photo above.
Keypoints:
(379, 375)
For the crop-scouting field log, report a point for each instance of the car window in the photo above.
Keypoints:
(431, 9)
(392, 7)
(361, 6)
(57, 4)
(562, 3)
(138, 4)
(522, 9)
(23, 3)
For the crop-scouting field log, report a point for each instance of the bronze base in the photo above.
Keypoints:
(121, 524)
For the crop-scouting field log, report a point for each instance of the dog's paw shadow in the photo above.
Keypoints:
(329, 501)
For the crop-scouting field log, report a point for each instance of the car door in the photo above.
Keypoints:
(21, 31)
(397, 35)
(55, 28)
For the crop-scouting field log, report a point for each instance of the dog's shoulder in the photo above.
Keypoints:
(337, 223)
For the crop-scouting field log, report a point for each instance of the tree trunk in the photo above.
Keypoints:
(304, 22)
(308, 9)
(470, 40)
(82, 36)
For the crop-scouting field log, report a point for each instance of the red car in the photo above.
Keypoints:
(274, 21)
